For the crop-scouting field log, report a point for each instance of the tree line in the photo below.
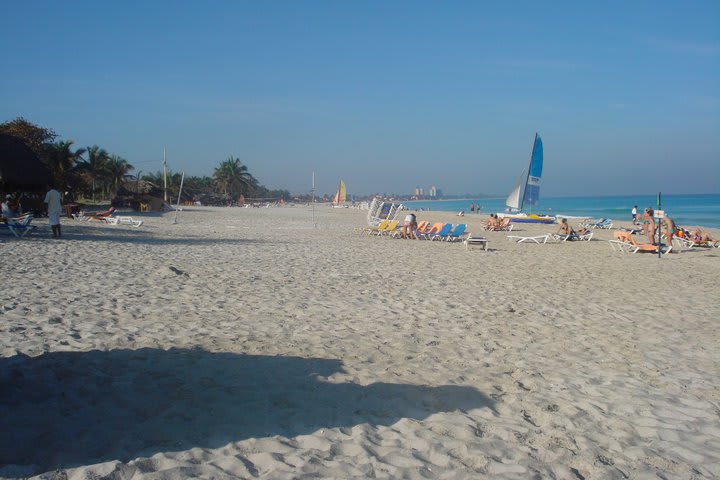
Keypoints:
(94, 173)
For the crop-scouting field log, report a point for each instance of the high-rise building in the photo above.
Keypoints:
(433, 191)
(419, 192)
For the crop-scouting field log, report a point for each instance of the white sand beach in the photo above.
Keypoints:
(245, 343)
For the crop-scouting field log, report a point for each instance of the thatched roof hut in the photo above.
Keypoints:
(20, 168)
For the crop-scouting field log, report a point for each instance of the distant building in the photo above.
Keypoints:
(419, 192)
(433, 192)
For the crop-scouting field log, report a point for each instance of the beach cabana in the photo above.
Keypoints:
(20, 168)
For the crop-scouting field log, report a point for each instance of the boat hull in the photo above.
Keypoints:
(527, 218)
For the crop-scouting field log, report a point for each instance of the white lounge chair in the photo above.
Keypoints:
(564, 238)
(687, 243)
(536, 239)
(123, 220)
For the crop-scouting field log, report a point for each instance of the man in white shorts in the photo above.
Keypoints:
(54, 203)
(410, 226)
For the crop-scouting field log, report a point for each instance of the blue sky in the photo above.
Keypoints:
(386, 95)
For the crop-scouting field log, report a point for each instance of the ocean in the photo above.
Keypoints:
(686, 210)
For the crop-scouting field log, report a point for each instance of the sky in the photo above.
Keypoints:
(386, 95)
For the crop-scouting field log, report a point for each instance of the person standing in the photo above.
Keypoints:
(648, 220)
(54, 206)
(634, 215)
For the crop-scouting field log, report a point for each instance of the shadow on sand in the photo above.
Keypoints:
(66, 409)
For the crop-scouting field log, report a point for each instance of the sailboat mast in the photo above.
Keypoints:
(529, 169)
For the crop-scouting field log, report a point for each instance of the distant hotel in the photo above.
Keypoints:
(433, 192)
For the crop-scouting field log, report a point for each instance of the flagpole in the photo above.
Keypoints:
(164, 176)
(313, 199)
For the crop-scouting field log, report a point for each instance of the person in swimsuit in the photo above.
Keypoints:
(565, 228)
(649, 224)
(698, 236)
(669, 226)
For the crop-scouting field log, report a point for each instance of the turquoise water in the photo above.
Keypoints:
(684, 209)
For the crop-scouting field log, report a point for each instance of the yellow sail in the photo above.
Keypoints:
(341, 194)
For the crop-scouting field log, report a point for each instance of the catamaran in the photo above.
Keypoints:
(341, 195)
(527, 190)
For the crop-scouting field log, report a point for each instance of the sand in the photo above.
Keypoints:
(244, 343)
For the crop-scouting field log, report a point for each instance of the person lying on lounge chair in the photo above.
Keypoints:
(492, 222)
(15, 220)
(565, 228)
(698, 236)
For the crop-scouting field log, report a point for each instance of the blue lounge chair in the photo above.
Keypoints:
(19, 226)
(456, 233)
(444, 232)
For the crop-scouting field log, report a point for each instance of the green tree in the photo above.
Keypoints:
(116, 169)
(35, 136)
(232, 177)
(62, 161)
(95, 166)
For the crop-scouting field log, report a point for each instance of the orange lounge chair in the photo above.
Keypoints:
(625, 242)
(431, 231)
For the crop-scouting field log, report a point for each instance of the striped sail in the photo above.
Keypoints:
(341, 194)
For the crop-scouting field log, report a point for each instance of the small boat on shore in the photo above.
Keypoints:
(527, 190)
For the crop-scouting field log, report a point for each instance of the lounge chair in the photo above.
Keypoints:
(374, 229)
(390, 229)
(572, 237)
(505, 224)
(687, 242)
(625, 242)
(83, 215)
(471, 240)
(422, 226)
(19, 226)
(123, 220)
(605, 223)
(536, 239)
(444, 231)
(456, 233)
(431, 230)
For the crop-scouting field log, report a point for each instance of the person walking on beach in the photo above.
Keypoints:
(634, 215)
(472, 208)
(54, 203)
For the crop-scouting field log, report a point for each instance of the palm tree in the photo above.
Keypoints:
(232, 177)
(62, 161)
(95, 165)
(116, 169)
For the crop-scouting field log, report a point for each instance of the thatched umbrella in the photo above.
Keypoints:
(20, 168)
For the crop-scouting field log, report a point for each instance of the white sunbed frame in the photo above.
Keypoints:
(123, 220)
(564, 238)
(539, 239)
